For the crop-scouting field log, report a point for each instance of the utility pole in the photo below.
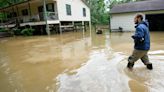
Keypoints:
(45, 17)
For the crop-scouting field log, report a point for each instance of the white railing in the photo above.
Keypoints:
(8, 21)
(50, 16)
(33, 18)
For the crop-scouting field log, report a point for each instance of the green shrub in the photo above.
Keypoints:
(2, 30)
(27, 32)
(17, 31)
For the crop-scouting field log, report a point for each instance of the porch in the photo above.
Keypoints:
(29, 13)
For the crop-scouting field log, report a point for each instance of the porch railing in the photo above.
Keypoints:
(50, 16)
(33, 18)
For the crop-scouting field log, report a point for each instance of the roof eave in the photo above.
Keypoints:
(85, 3)
(14, 5)
(133, 11)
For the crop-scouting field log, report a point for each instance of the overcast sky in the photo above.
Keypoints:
(107, 4)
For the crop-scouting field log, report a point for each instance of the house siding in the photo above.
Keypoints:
(123, 20)
(76, 10)
(126, 20)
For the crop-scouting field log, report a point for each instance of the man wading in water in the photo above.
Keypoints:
(142, 43)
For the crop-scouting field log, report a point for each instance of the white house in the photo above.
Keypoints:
(122, 15)
(59, 13)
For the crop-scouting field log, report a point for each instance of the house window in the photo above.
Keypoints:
(9, 15)
(14, 14)
(40, 9)
(50, 7)
(68, 9)
(84, 12)
(24, 12)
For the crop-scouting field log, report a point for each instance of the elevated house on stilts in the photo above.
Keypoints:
(61, 15)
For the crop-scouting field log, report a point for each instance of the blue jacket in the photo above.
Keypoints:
(142, 36)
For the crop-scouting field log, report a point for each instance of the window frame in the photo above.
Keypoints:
(50, 5)
(68, 10)
(84, 12)
(25, 12)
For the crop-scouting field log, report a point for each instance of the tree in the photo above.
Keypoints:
(4, 3)
(114, 2)
(98, 11)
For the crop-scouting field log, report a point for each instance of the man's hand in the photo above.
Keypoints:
(136, 40)
(133, 36)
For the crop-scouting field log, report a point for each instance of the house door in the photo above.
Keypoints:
(50, 9)
(155, 22)
(40, 11)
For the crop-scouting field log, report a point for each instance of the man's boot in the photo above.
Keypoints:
(149, 66)
(130, 65)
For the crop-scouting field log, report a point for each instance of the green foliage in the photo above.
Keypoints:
(114, 2)
(99, 15)
(17, 31)
(2, 30)
(2, 16)
(27, 32)
(5, 3)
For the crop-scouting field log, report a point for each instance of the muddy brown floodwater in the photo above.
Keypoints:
(74, 62)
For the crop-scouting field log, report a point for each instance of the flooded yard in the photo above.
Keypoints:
(74, 62)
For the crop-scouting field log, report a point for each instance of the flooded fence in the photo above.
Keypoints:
(60, 28)
(5, 34)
